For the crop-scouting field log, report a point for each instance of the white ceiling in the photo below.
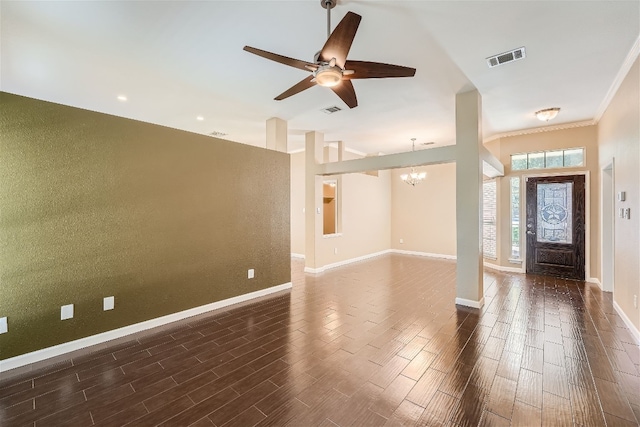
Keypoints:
(177, 60)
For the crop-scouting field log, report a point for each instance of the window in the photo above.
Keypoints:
(548, 159)
(489, 219)
(515, 218)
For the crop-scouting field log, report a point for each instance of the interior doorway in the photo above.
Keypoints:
(608, 219)
(555, 226)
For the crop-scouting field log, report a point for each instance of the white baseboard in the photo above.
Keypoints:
(294, 255)
(502, 268)
(345, 262)
(470, 303)
(595, 280)
(57, 350)
(634, 331)
(425, 254)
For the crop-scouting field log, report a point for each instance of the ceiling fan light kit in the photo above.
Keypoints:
(330, 67)
(547, 114)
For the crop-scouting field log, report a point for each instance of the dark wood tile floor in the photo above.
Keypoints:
(377, 343)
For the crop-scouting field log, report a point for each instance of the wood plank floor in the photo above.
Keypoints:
(376, 343)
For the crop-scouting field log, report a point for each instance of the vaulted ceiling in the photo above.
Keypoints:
(175, 61)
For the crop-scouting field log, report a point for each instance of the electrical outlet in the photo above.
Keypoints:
(318, 211)
(66, 312)
(251, 273)
(635, 301)
(108, 303)
(401, 241)
(627, 213)
(621, 212)
(4, 327)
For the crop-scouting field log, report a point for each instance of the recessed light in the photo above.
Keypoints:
(122, 98)
(199, 118)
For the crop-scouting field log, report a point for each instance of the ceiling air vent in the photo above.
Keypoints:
(331, 110)
(503, 58)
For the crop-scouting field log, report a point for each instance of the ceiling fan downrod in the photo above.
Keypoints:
(328, 4)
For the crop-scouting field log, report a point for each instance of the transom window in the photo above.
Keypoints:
(571, 157)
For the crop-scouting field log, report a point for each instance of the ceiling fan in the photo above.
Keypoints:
(331, 67)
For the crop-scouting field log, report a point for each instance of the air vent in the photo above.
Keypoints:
(503, 58)
(428, 143)
(217, 134)
(331, 110)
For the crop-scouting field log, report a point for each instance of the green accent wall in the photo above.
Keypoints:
(93, 205)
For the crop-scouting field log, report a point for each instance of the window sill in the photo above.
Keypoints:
(488, 258)
(515, 261)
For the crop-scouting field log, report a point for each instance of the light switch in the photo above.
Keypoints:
(627, 213)
(251, 273)
(317, 210)
(621, 212)
(66, 312)
(622, 196)
(108, 303)
(4, 327)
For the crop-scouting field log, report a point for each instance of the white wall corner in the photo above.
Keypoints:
(67, 347)
(632, 328)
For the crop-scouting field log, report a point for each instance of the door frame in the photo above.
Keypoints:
(607, 257)
(587, 217)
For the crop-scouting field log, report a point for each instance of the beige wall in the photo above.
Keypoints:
(586, 137)
(364, 220)
(424, 216)
(94, 205)
(619, 140)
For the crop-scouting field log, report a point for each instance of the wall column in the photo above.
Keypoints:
(469, 274)
(277, 134)
(314, 154)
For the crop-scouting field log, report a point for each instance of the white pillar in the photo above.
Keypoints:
(277, 134)
(469, 274)
(314, 151)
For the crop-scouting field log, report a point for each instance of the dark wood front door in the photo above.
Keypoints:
(555, 226)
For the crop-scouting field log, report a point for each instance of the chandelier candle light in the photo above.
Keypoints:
(414, 177)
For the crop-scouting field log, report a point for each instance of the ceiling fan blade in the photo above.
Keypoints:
(296, 63)
(346, 92)
(376, 70)
(339, 42)
(298, 87)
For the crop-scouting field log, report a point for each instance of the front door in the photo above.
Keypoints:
(555, 226)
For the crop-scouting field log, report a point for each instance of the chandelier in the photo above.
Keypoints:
(414, 177)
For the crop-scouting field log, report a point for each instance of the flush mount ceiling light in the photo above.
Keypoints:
(199, 118)
(414, 177)
(122, 98)
(547, 114)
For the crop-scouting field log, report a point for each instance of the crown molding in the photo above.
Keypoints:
(622, 73)
(561, 126)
